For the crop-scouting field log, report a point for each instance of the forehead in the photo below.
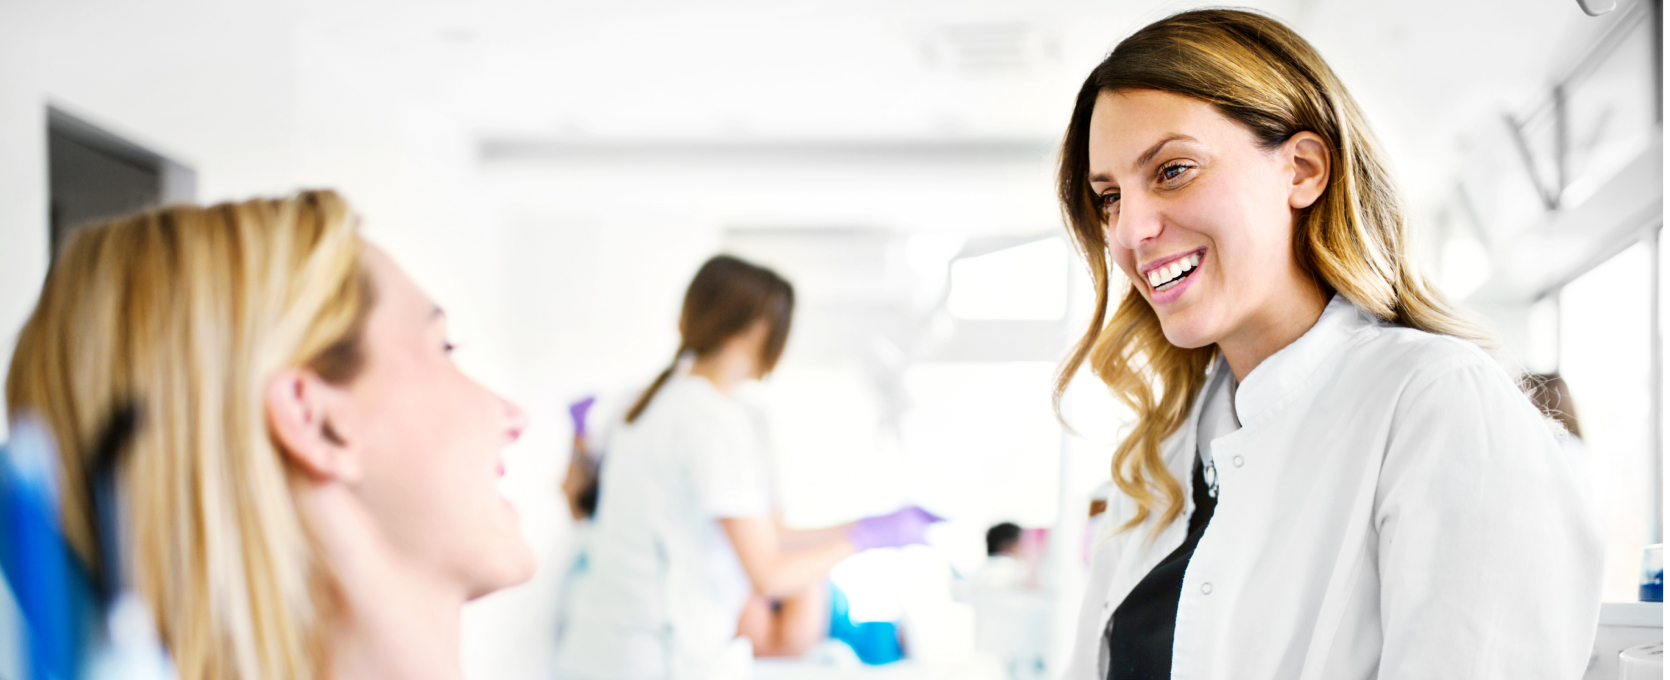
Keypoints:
(1126, 123)
(397, 295)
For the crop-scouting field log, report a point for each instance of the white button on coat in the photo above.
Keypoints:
(1409, 516)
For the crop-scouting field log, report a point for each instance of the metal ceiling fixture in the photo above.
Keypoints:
(1596, 8)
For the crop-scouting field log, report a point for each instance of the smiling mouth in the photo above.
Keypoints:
(1166, 277)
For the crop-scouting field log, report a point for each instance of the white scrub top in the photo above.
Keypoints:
(1392, 507)
(664, 589)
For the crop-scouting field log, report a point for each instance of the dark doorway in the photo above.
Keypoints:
(96, 175)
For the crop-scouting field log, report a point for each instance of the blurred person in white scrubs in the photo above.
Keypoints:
(685, 531)
(1004, 567)
(1327, 477)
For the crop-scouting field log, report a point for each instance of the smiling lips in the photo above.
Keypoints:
(1165, 276)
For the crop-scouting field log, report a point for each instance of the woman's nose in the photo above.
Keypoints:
(1137, 221)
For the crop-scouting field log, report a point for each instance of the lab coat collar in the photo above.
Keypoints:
(1273, 382)
(1269, 387)
(1181, 448)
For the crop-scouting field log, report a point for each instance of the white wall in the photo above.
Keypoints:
(220, 87)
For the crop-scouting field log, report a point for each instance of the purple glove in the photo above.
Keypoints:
(577, 411)
(892, 530)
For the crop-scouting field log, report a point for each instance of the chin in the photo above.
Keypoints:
(1180, 333)
(510, 563)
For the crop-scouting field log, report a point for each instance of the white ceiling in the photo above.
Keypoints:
(888, 69)
(867, 70)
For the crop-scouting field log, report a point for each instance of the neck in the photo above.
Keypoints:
(1269, 332)
(395, 621)
(724, 369)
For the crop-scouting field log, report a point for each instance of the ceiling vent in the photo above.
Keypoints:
(989, 47)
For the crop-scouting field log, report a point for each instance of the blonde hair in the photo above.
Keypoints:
(186, 312)
(1354, 240)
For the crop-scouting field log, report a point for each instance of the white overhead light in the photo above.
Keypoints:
(990, 46)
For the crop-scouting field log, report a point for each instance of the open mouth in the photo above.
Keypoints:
(1167, 276)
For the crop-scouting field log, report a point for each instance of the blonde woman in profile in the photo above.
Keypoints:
(1326, 477)
(310, 492)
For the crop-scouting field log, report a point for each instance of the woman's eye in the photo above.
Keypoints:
(1109, 200)
(1173, 171)
(447, 347)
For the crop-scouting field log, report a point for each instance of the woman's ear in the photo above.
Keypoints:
(305, 415)
(1309, 159)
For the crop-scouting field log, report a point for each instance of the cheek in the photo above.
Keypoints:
(425, 434)
(432, 468)
(1119, 257)
(1249, 228)
(1265, 243)
(1261, 199)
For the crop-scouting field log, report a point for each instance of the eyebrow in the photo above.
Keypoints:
(1145, 157)
(437, 313)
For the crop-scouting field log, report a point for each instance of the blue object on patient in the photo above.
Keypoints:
(875, 642)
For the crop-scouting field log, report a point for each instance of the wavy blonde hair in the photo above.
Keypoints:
(1354, 240)
(186, 312)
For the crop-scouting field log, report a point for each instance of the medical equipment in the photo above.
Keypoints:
(1645, 662)
(1652, 573)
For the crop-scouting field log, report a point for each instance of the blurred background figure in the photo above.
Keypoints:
(306, 485)
(579, 485)
(686, 531)
(1548, 391)
(579, 489)
(1011, 609)
(1004, 567)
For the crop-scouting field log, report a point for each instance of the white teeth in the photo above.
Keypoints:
(1166, 276)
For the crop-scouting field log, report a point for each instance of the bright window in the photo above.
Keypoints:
(1027, 281)
(1605, 354)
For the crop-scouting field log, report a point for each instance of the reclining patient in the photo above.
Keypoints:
(310, 488)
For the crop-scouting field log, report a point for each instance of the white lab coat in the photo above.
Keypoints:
(1392, 507)
(664, 589)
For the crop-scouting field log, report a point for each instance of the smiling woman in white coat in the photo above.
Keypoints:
(1327, 477)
